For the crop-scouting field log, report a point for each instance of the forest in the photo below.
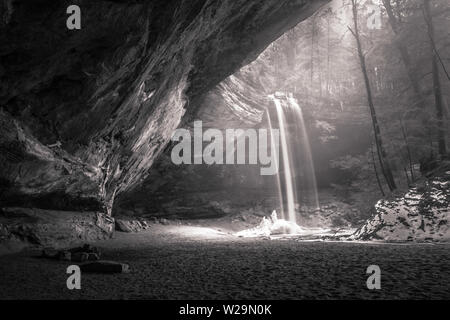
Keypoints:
(389, 57)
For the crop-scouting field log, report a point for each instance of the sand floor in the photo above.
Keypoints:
(187, 262)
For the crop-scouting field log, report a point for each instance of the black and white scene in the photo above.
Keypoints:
(242, 150)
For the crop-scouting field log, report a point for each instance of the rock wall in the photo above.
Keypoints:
(85, 113)
(20, 226)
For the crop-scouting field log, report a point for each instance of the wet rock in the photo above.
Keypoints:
(105, 223)
(164, 221)
(104, 266)
(270, 226)
(87, 248)
(123, 226)
(85, 256)
(50, 253)
(80, 256)
(145, 224)
(130, 225)
(86, 252)
(85, 114)
(64, 255)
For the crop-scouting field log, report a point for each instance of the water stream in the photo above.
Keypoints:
(296, 157)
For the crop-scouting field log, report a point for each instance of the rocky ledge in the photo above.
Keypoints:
(24, 226)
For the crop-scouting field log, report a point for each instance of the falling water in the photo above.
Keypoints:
(272, 138)
(286, 162)
(293, 158)
(306, 152)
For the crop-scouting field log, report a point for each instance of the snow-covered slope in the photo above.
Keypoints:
(422, 214)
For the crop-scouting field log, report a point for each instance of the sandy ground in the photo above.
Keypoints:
(189, 262)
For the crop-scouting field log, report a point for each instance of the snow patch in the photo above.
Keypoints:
(417, 216)
(274, 226)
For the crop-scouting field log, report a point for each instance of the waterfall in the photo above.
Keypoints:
(289, 185)
(305, 152)
(296, 156)
(280, 193)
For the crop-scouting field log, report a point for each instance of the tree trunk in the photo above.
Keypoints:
(313, 33)
(405, 138)
(385, 168)
(376, 171)
(437, 89)
(328, 58)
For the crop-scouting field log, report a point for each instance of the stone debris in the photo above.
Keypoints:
(83, 256)
(64, 255)
(77, 254)
(50, 253)
(89, 257)
(124, 225)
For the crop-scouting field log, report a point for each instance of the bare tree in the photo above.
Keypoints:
(437, 88)
(376, 171)
(382, 155)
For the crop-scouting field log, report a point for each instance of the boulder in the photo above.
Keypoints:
(130, 225)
